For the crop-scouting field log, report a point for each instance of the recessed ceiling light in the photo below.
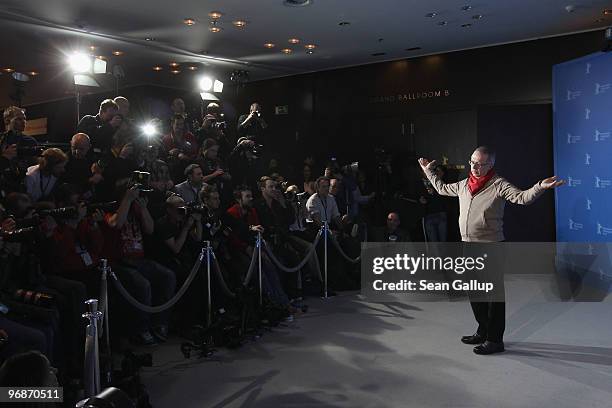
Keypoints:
(215, 29)
(294, 41)
(149, 39)
(215, 15)
(101, 57)
(269, 45)
(443, 23)
(468, 25)
(477, 16)
(175, 71)
(378, 54)
(344, 23)
(157, 68)
(286, 50)
(117, 53)
(239, 23)
(413, 49)
(8, 70)
(310, 46)
(192, 68)
(92, 48)
(431, 15)
(467, 7)
(607, 12)
(189, 21)
(309, 51)
(33, 73)
(174, 64)
(297, 3)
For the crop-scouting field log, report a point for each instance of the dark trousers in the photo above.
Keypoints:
(491, 318)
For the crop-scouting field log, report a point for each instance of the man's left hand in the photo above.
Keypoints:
(551, 182)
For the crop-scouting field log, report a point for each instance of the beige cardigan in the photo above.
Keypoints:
(481, 218)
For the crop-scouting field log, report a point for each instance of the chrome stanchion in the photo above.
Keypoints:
(104, 282)
(209, 313)
(325, 231)
(259, 266)
(92, 356)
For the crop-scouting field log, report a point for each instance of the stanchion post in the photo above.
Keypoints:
(93, 315)
(106, 317)
(325, 231)
(259, 268)
(209, 313)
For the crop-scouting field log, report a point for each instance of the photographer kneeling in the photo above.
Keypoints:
(178, 235)
(148, 281)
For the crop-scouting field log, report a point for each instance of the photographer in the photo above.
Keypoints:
(160, 182)
(41, 179)
(212, 166)
(77, 241)
(101, 127)
(215, 127)
(147, 280)
(190, 188)
(244, 229)
(12, 162)
(252, 126)
(181, 146)
(245, 164)
(178, 237)
(80, 166)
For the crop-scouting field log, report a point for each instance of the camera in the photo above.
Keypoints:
(18, 235)
(141, 181)
(30, 297)
(193, 208)
(110, 206)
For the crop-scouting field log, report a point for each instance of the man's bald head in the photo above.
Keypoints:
(80, 145)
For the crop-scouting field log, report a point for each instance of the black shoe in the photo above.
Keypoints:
(143, 339)
(473, 339)
(489, 347)
(160, 333)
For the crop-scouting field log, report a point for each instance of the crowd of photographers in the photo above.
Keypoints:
(147, 202)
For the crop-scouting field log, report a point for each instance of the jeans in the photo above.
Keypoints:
(435, 227)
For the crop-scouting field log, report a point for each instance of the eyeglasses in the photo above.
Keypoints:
(476, 164)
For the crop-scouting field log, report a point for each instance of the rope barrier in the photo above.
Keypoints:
(249, 273)
(157, 309)
(344, 255)
(299, 266)
(222, 282)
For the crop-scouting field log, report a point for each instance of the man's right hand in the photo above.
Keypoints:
(9, 152)
(426, 164)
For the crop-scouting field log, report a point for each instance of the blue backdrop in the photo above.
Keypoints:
(582, 107)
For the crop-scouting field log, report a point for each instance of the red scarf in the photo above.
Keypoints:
(475, 184)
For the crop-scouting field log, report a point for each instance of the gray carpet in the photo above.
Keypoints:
(346, 352)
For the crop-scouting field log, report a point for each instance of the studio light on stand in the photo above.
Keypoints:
(83, 68)
(209, 87)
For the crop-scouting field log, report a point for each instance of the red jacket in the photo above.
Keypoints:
(70, 246)
(239, 238)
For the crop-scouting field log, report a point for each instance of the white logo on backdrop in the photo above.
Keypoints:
(601, 88)
(587, 114)
(575, 226)
(602, 183)
(588, 68)
(572, 139)
(601, 136)
(589, 203)
(571, 95)
(601, 230)
(587, 159)
(572, 182)
(591, 249)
